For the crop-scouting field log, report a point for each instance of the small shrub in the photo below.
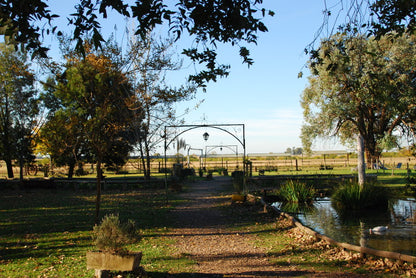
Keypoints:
(297, 192)
(111, 235)
(165, 170)
(188, 172)
(353, 197)
(220, 170)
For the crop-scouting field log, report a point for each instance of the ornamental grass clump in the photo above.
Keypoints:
(297, 192)
(112, 236)
(355, 198)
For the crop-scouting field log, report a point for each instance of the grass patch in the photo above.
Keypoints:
(355, 198)
(47, 233)
(296, 192)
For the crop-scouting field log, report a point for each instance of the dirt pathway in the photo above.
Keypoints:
(208, 230)
(205, 236)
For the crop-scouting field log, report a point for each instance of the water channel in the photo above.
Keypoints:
(400, 235)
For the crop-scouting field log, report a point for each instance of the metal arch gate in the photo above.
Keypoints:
(215, 126)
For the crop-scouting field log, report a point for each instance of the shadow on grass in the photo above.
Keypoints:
(43, 211)
(38, 223)
(42, 248)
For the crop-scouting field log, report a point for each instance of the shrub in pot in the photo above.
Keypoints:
(111, 238)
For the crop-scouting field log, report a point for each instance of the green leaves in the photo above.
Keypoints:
(208, 57)
(17, 24)
(18, 107)
(394, 15)
(210, 22)
(360, 85)
(112, 235)
(149, 14)
(97, 108)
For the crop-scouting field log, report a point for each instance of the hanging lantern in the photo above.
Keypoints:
(206, 136)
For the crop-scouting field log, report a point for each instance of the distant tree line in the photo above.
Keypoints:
(294, 151)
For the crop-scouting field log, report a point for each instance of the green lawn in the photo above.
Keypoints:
(46, 233)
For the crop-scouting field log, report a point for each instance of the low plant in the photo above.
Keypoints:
(353, 198)
(112, 236)
(297, 192)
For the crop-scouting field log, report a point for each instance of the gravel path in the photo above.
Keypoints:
(211, 236)
(204, 235)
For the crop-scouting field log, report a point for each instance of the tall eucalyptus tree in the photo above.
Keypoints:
(360, 86)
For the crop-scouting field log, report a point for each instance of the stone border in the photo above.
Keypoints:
(360, 249)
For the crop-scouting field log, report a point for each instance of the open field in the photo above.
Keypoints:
(341, 163)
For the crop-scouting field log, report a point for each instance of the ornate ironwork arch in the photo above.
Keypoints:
(215, 126)
(192, 127)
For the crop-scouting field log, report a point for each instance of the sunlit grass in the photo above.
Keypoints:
(47, 233)
(356, 198)
(296, 192)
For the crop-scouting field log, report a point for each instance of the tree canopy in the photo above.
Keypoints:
(97, 99)
(209, 23)
(394, 15)
(360, 85)
(148, 61)
(18, 108)
(98, 107)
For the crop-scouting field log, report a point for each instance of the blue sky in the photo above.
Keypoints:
(265, 97)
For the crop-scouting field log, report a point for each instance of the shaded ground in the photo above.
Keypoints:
(210, 235)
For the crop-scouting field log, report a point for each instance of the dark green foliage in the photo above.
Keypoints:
(353, 197)
(18, 108)
(112, 235)
(208, 22)
(394, 15)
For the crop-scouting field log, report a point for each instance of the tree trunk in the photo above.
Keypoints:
(143, 160)
(98, 197)
(21, 166)
(71, 168)
(6, 145)
(361, 162)
(9, 166)
(147, 173)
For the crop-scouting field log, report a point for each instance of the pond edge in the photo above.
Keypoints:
(360, 249)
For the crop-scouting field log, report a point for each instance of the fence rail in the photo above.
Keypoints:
(279, 164)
